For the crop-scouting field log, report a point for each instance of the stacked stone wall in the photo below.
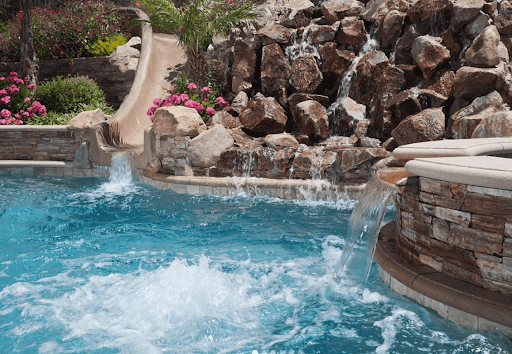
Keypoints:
(34, 143)
(461, 230)
(112, 81)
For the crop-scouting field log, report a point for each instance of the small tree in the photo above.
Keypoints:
(28, 65)
(195, 25)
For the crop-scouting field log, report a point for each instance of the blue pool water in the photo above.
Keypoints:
(91, 266)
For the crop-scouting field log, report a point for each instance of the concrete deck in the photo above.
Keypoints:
(451, 148)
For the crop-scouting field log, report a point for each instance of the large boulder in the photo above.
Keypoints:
(298, 13)
(390, 29)
(263, 115)
(178, 121)
(206, 148)
(305, 74)
(225, 119)
(473, 82)
(503, 21)
(429, 53)
(368, 72)
(462, 123)
(281, 141)
(376, 10)
(125, 58)
(347, 114)
(335, 61)
(427, 125)
(85, 120)
(464, 11)
(351, 32)
(334, 10)
(494, 125)
(274, 34)
(423, 9)
(275, 70)
(244, 66)
(312, 120)
(319, 34)
(483, 52)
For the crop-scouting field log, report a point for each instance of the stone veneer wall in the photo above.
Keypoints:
(461, 230)
(112, 81)
(46, 143)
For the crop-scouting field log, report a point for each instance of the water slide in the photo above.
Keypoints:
(159, 56)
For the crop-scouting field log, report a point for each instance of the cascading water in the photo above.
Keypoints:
(363, 228)
(303, 47)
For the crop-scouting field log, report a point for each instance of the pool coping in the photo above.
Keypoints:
(463, 303)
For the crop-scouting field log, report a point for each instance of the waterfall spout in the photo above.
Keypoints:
(363, 229)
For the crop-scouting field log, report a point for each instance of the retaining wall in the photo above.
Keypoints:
(461, 230)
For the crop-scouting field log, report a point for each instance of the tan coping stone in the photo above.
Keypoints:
(483, 171)
(451, 148)
(462, 302)
(33, 128)
(30, 163)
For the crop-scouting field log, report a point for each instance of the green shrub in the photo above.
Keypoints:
(107, 46)
(54, 118)
(67, 95)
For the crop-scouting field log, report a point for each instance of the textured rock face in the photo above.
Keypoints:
(483, 52)
(263, 116)
(275, 70)
(225, 119)
(84, 120)
(473, 82)
(464, 11)
(376, 10)
(391, 27)
(351, 31)
(312, 120)
(178, 121)
(335, 61)
(274, 34)
(206, 148)
(244, 65)
(336, 10)
(494, 125)
(281, 141)
(125, 58)
(423, 9)
(305, 75)
(347, 115)
(368, 72)
(427, 125)
(298, 13)
(429, 53)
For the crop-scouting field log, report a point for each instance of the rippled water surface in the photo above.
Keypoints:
(90, 266)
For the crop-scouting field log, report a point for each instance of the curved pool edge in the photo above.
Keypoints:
(462, 302)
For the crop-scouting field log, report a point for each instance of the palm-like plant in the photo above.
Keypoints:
(196, 23)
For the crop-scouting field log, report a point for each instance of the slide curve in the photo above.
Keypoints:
(159, 55)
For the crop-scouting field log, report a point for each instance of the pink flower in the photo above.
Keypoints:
(210, 111)
(13, 73)
(2, 78)
(194, 104)
(207, 89)
(5, 113)
(25, 114)
(13, 89)
(27, 99)
(180, 29)
(157, 102)
(151, 110)
(5, 99)
(221, 101)
(31, 86)
(184, 97)
(205, 99)
(3, 92)
(192, 86)
(184, 10)
(137, 3)
(3, 121)
(19, 122)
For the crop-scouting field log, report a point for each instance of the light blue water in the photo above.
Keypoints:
(96, 267)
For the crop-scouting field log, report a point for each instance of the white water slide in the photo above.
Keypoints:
(159, 55)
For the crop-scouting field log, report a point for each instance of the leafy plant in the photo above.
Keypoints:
(16, 101)
(55, 118)
(206, 101)
(65, 95)
(197, 23)
(107, 46)
(66, 31)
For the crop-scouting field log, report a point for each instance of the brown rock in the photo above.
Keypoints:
(494, 125)
(244, 65)
(473, 82)
(368, 71)
(178, 121)
(503, 21)
(464, 11)
(263, 116)
(437, 200)
(442, 82)
(483, 52)
(225, 119)
(404, 46)
(427, 125)
(283, 159)
(274, 34)
(429, 53)
(319, 34)
(275, 70)
(462, 123)
(376, 10)
(351, 32)
(335, 61)
(406, 103)
(240, 101)
(479, 23)
(312, 120)
(336, 10)
(423, 9)
(487, 223)
(347, 114)
(487, 205)
(360, 159)
(305, 75)
(84, 120)
(206, 148)
(391, 27)
(389, 84)
(495, 271)
(281, 141)
(475, 240)
(298, 13)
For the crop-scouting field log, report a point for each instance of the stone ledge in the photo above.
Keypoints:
(459, 301)
(28, 168)
(34, 128)
(452, 148)
(482, 171)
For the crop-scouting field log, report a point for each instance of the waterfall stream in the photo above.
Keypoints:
(363, 229)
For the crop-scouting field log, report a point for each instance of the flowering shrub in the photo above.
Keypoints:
(16, 100)
(206, 101)
(64, 32)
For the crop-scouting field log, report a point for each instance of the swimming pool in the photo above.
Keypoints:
(91, 266)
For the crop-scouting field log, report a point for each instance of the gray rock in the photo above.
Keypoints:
(426, 125)
(494, 125)
(178, 121)
(206, 148)
(125, 58)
